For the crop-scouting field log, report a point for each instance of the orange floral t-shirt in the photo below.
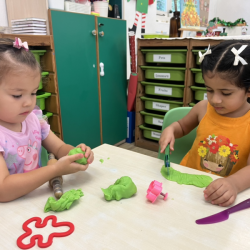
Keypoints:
(222, 144)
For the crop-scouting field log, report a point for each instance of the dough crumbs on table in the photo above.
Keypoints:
(101, 160)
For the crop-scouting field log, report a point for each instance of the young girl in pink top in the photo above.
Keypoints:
(22, 129)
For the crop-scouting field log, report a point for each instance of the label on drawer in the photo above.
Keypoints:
(162, 58)
(163, 90)
(162, 75)
(205, 96)
(157, 121)
(159, 105)
(155, 134)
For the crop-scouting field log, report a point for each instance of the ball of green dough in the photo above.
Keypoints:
(83, 160)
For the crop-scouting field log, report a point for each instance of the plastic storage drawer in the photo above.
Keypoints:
(162, 89)
(197, 57)
(198, 76)
(165, 55)
(160, 105)
(153, 119)
(200, 93)
(37, 54)
(41, 81)
(164, 73)
(150, 133)
(40, 99)
(191, 104)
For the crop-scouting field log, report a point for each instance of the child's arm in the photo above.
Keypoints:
(223, 191)
(56, 146)
(16, 185)
(183, 126)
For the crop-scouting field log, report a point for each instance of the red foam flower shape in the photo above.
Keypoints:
(39, 237)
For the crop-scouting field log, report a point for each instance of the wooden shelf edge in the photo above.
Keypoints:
(32, 40)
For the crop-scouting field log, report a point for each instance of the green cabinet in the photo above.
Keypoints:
(93, 105)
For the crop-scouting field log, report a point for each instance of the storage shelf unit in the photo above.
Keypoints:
(47, 60)
(148, 125)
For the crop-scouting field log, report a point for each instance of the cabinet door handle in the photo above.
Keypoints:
(102, 69)
(94, 32)
(101, 33)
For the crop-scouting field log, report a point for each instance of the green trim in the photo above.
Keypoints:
(196, 70)
(198, 88)
(153, 67)
(162, 84)
(163, 50)
(150, 129)
(159, 100)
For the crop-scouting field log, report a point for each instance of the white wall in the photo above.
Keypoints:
(230, 10)
(3, 14)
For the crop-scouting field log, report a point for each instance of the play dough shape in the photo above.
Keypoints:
(64, 202)
(187, 179)
(123, 188)
(83, 160)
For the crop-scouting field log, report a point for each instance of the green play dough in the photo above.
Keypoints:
(187, 179)
(64, 202)
(83, 160)
(123, 188)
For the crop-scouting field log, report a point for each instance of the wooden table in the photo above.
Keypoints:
(133, 223)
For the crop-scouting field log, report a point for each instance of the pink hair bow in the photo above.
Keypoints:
(19, 44)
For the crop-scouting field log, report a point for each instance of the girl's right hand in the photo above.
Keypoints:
(67, 165)
(167, 137)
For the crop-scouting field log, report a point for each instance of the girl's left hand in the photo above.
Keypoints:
(88, 153)
(221, 192)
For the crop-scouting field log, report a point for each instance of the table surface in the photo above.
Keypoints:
(132, 223)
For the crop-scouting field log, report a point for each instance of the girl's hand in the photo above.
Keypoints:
(67, 164)
(167, 137)
(222, 192)
(88, 153)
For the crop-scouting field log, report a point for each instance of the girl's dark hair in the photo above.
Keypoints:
(221, 61)
(11, 58)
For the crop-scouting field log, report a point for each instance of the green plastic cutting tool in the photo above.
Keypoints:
(167, 158)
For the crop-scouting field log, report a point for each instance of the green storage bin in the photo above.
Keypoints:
(150, 133)
(165, 55)
(191, 104)
(162, 89)
(196, 53)
(153, 119)
(159, 104)
(41, 82)
(164, 73)
(198, 76)
(48, 114)
(40, 99)
(37, 54)
(200, 93)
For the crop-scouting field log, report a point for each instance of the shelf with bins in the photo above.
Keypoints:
(47, 97)
(196, 90)
(161, 85)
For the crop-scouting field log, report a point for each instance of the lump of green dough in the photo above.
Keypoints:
(187, 179)
(64, 202)
(123, 188)
(83, 160)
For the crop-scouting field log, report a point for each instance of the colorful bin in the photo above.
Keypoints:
(153, 119)
(200, 93)
(191, 104)
(40, 99)
(162, 89)
(196, 53)
(41, 82)
(150, 133)
(165, 55)
(37, 54)
(164, 73)
(160, 105)
(198, 76)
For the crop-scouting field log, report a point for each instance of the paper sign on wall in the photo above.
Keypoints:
(155, 134)
(163, 90)
(162, 58)
(159, 105)
(205, 96)
(157, 121)
(162, 75)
